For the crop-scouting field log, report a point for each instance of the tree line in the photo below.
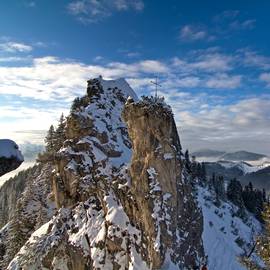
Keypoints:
(54, 140)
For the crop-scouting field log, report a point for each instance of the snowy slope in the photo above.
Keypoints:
(9, 149)
(221, 230)
(243, 166)
(101, 152)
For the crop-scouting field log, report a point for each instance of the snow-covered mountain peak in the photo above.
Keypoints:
(121, 84)
(9, 149)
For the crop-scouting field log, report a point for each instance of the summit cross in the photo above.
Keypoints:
(156, 84)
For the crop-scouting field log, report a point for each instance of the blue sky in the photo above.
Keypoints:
(212, 59)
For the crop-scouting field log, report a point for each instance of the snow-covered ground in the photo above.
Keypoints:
(246, 168)
(222, 230)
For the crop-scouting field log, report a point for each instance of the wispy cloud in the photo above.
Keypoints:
(221, 26)
(14, 47)
(242, 125)
(226, 15)
(193, 33)
(224, 81)
(242, 25)
(30, 4)
(89, 11)
(265, 77)
(205, 61)
(205, 119)
(253, 59)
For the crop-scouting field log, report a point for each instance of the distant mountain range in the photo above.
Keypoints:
(258, 175)
(232, 156)
(242, 165)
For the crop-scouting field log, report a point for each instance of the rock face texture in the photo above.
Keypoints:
(167, 208)
(10, 156)
(121, 193)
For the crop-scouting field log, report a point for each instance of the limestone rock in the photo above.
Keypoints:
(168, 212)
(122, 200)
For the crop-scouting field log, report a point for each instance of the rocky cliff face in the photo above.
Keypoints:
(170, 218)
(122, 196)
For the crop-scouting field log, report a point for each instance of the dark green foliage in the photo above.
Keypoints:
(217, 185)
(253, 200)
(234, 193)
(76, 104)
(59, 136)
(194, 168)
(49, 140)
(53, 141)
(203, 172)
(187, 161)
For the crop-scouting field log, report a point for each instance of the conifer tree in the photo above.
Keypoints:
(49, 140)
(59, 135)
(234, 193)
(187, 161)
(75, 104)
(203, 172)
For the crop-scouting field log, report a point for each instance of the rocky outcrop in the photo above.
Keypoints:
(169, 216)
(10, 156)
(122, 197)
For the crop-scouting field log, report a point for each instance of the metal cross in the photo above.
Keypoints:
(156, 84)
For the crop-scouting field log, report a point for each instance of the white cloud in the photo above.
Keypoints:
(243, 125)
(52, 83)
(224, 81)
(50, 78)
(243, 25)
(209, 62)
(88, 11)
(265, 77)
(192, 33)
(13, 47)
(226, 14)
(253, 59)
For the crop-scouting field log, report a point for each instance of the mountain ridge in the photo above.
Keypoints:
(120, 195)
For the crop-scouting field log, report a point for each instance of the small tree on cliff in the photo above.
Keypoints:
(203, 172)
(59, 135)
(187, 161)
(50, 140)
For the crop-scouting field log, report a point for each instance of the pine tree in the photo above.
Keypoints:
(59, 135)
(75, 104)
(193, 167)
(203, 172)
(49, 140)
(234, 193)
(264, 196)
(253, 200)
(187, 161)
